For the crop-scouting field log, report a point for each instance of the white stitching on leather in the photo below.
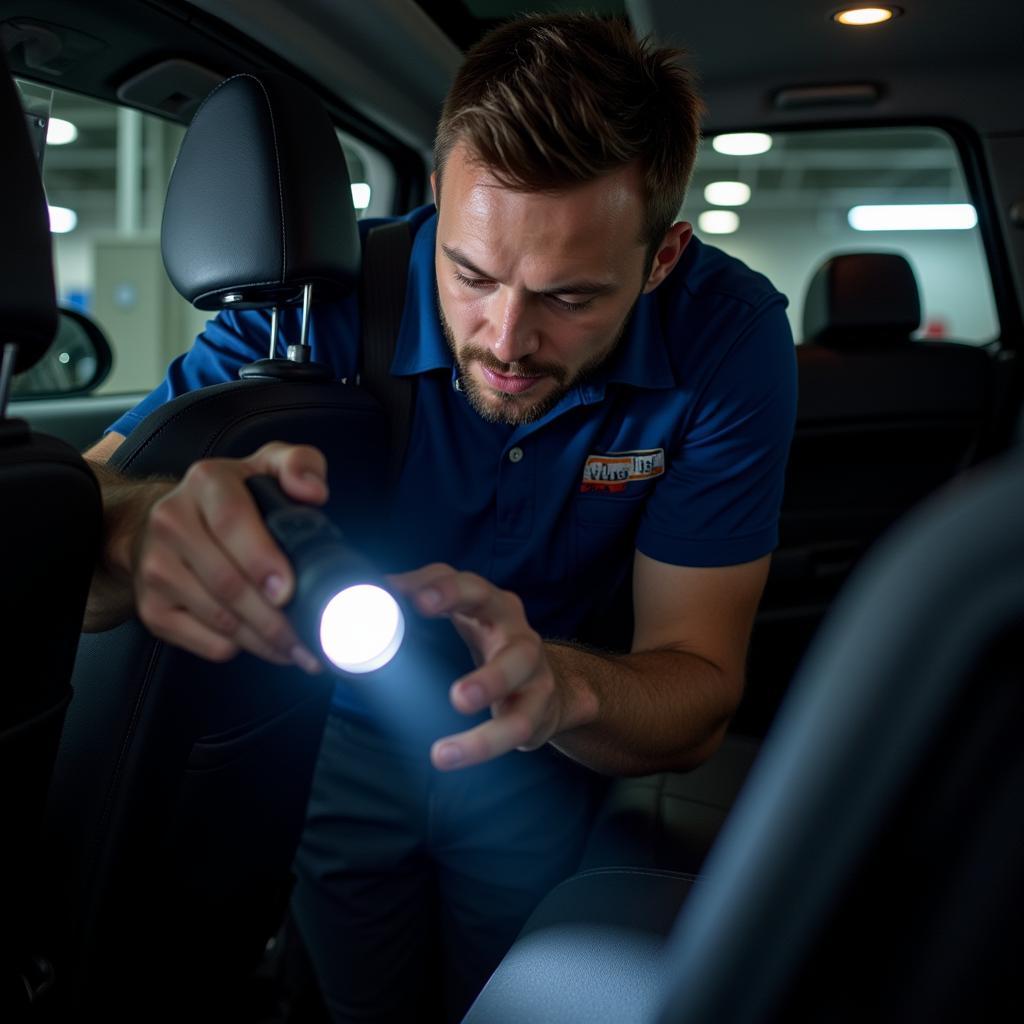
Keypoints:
(277, 161)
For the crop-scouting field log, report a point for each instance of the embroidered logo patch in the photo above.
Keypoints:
(616, 470)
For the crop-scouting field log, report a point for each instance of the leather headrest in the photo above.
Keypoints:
(259, 202)
(28, 303)
(862, 299)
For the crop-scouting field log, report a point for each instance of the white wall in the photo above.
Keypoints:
(950, 266)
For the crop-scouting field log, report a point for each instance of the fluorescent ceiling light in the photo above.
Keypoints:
(920, 217)
(856, 16)
(718, 222)
(60, 132)
(727, 193)
(742, 143)
(360, 195)
(62, 220)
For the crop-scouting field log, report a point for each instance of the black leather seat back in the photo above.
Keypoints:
(181, 786)
(259, 201)
(872, 865)
(882, 421)
(50, 520)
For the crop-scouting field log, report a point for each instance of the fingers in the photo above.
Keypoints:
(514, 679)
(208, 576)
(522, 726)
(439, 589)
(520, 662)
(229, 518)
(518, 685)
(300, 469)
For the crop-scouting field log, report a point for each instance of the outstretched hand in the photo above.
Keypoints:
(513, 676)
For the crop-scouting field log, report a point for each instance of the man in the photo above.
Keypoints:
(600, 398)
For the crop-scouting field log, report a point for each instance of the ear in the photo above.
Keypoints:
(433, 185)
(672, 246)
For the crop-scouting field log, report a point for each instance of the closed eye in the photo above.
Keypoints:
(472, 282)
(563, 304)
(570, 307)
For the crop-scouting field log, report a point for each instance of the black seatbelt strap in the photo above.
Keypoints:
(382, 291)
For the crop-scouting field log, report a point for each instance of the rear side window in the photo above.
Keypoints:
(105, 171)
(787, 201)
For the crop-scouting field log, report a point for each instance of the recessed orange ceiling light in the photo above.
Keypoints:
(860, 16)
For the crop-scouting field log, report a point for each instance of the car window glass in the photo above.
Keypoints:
(105, 172)
(806, 195)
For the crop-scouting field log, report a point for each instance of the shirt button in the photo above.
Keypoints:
(515, 454)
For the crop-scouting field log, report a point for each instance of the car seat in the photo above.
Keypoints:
(882, 421)
(50, 522)
(181, 785)
(871, 867)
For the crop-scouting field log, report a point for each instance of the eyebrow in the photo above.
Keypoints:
(568, 288)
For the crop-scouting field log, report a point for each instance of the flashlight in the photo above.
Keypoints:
(340, 606)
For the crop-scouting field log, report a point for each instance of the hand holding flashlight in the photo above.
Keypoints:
(340, 606)
(206, 573)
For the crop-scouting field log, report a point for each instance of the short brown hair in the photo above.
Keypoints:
(546, 102)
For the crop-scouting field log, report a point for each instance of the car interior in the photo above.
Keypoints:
(854, 848)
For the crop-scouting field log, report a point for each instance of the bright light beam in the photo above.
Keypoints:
(361, 628)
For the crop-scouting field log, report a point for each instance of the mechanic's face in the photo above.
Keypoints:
(535, 289)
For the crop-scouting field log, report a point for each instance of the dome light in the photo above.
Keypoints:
(857, 17)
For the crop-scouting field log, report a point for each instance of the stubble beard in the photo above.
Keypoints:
(515, 410)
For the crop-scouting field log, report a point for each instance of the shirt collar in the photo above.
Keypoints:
(640, 360)
(421, 345)
(641, 357)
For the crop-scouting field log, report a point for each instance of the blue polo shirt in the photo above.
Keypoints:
(675, 447)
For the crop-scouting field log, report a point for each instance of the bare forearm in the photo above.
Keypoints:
(126, 503)
(635, 714)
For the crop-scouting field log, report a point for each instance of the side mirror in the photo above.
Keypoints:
(77, 362)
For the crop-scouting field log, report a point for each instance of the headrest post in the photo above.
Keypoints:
(307, 301)
(300, 353)
(273, 332)
(6, 372)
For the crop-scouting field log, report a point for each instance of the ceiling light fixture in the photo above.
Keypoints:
(60, 132)
(360, 195)
(858, 17)
(62, 219)
(918, 217)
(718, 222)
(727, 193)
(742, 143)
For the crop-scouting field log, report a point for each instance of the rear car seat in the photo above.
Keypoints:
(882, 421)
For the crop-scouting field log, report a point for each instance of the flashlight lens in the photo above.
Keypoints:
(361, 628)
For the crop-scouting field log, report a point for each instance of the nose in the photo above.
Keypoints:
(515, 336)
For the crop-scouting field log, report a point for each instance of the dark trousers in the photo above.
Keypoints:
(411, 883)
